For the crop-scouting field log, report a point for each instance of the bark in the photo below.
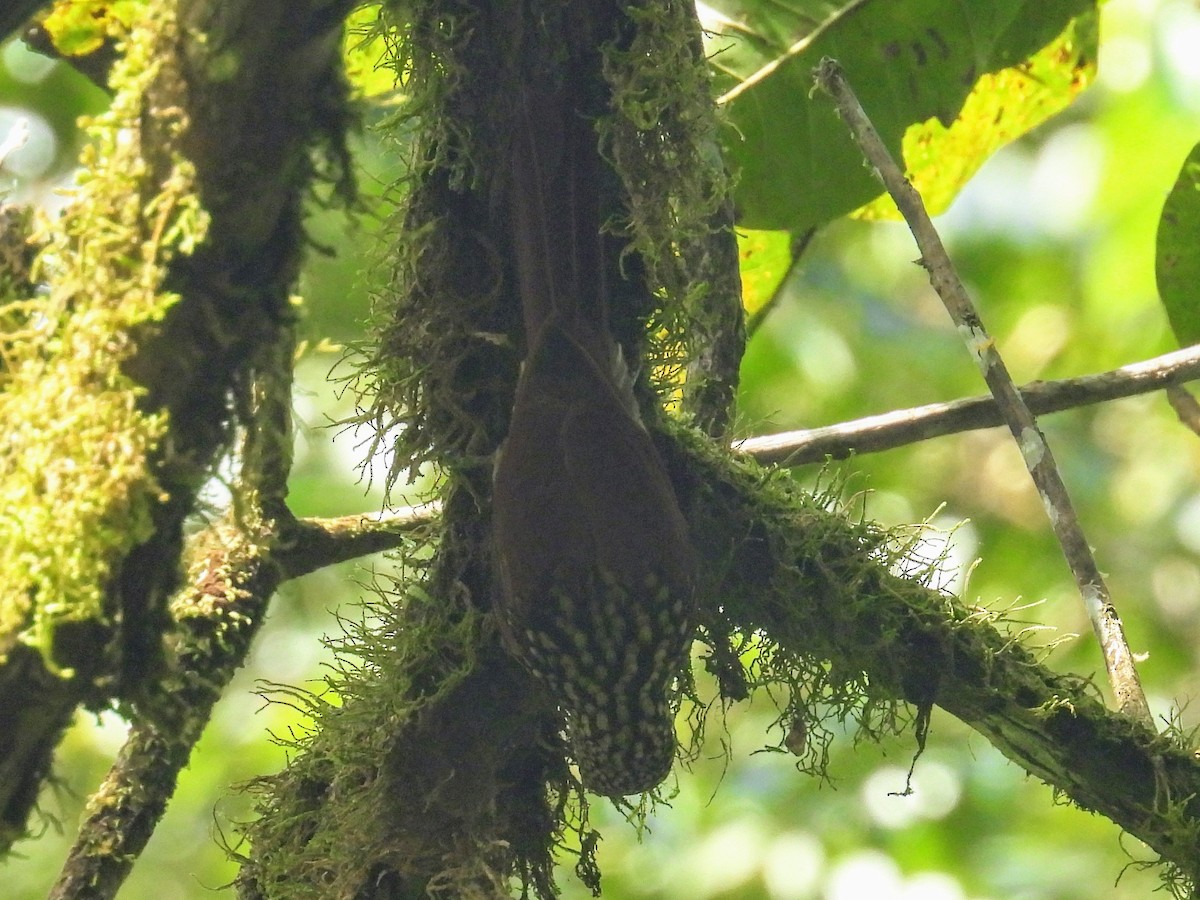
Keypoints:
(259, 85)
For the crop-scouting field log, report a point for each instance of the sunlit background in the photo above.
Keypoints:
(1055, 237)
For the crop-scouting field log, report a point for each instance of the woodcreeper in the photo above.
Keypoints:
(595, 565)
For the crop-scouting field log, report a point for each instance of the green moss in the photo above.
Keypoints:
(438, 376)
(661, 137)
(76, 492)
(79, 27)
(806, 601)
(437, 385)
(323, 824)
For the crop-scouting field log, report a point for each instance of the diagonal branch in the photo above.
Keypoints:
(1097, 601)
(239, 563)
(202, 264)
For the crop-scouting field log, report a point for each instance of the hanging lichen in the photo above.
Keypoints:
(661, 135)
(364, 800)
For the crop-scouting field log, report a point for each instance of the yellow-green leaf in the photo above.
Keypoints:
(1002, 106)
(765, 257)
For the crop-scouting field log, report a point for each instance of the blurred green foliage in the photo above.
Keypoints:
(1055, 236)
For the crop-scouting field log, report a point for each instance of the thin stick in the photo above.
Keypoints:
(1185, 406)
(903, 427)
(800, 46)
(1021, 422)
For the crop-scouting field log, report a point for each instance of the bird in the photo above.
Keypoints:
(596, 569)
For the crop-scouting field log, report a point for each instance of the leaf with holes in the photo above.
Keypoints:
(909, 63)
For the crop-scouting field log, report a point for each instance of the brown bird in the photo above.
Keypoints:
(595, 565)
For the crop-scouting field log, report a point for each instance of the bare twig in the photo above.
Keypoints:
(1185, 406)
(315, 543)
(907, 426)
(1021, 422)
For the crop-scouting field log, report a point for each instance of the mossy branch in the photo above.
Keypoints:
(313, 544)
(235, 567)
(217, 616)
(239, 564)
(440, 766)
(816, 585)
(841, 631)
(169, 272)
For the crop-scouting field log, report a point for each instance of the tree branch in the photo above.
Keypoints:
(1097, 601)
(230, 580)
(815, 583)
(155, 752)
(238, 567)
(187, 93)
(218, 617)
(315, 543)
(908, 426)
(819, 586)
(1185, 406)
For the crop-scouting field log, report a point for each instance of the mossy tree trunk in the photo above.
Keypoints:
(167, 279)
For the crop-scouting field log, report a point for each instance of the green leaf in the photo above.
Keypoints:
(766, 257)
(909, 62)
(1002, 106)
(1177, 254)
